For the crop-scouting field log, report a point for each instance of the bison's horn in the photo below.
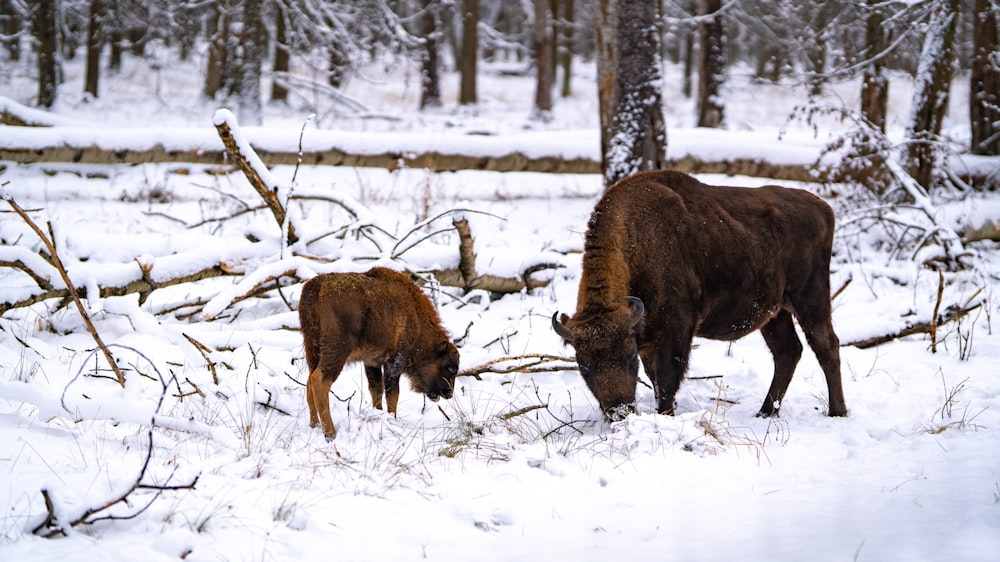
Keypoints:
(561, 329)
(638, 309)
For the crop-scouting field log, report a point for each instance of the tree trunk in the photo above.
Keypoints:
(629, 83)
(566, 53)
(10, 28)
(711, 63)
(930, 91)
(339, 63)
(541, 43)
(115, 60)
(874, 84)
(45, 32)
(687, 85)
(94, 44)
(984, 90)
(248, 85)
(469, 56)
(282, 55)
(217, 51)
(430, 73)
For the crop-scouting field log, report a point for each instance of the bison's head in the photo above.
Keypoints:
(606, 353)
(434, 377)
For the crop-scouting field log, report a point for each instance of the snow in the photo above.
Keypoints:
(911, 474)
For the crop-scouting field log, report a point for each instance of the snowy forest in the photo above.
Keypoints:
(173, 172)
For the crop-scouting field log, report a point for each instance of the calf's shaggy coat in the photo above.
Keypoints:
(382, 319)
(667, 258)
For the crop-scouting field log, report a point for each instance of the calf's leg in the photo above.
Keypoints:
(376, 384)
(779, 334)
(318, 397)
(392, 389)
(321, 378)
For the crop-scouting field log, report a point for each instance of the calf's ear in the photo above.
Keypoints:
(442, 348)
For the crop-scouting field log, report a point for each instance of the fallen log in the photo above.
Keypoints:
(951, 314)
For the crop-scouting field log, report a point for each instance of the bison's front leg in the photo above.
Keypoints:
(779, 335)
(376, 384)
(665, 367)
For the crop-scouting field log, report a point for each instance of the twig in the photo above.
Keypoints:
(937, 308)
(204, 351)
(841, 289)
(52, 527)
(522, 411)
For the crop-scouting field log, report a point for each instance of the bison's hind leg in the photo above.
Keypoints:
(818, 327)
(376, 384)
(779, 334)
(311, 397)
(318, 397)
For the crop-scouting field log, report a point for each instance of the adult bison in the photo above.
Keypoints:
(667, 258)
(380, 318)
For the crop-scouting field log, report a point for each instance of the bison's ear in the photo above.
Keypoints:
(637, 310)
(558, 324)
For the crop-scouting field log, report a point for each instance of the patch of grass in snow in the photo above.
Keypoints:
(489, 427)
(952, 414)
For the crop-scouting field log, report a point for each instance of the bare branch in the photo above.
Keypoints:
(71, 288)
(528, 363)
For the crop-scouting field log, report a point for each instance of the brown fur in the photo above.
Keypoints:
(668, 258)
(382, 319)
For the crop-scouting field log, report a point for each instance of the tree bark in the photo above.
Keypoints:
(282, 55)
(10, 28)
(711, 63)
(248, 85)
(94, 44)
(469, 55)
(566, 53)
(541, 43)
(874, 84)
(984, 88)
(217, 49)
(430, 73)
(45, 32)
(930, 91)
(629, 83)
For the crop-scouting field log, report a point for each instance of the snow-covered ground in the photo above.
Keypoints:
(912, 474)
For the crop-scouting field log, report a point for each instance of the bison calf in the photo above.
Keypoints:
(667, 258)
(382, 319)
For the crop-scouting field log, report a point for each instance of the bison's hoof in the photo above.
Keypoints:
(837, 413)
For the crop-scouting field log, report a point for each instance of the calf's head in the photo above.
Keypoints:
(606, 353)
(434, 374)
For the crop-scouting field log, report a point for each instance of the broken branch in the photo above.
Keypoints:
(251, 165)
(70, 288)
